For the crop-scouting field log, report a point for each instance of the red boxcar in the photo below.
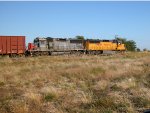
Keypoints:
(10, 45)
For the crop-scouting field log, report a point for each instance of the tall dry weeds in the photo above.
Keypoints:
(60, 84)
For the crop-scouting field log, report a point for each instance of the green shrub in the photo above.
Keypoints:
(2, 83)
(50, 97)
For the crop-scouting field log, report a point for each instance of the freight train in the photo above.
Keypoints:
(15, 46)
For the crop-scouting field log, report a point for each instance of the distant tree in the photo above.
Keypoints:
(138, 50)
(144, 49)
(80, 37)
(130, 44)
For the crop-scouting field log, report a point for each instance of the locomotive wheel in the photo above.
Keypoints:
(49, 53)
(101, 52)
(20, 55)
(77, 53)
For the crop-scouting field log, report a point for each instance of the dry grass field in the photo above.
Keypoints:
(75, 84)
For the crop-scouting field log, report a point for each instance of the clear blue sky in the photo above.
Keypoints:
(102, 20)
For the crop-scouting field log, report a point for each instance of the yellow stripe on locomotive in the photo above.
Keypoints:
(100, 45)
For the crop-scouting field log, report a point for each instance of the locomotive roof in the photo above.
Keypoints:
(100, 39)
(50, 38)
(40, 38)
(93, 39)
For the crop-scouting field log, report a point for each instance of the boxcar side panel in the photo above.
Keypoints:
(14, 44)
(21, 44)
(8, 45)
(4, 47)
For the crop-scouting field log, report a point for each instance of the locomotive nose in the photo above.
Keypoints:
(31, 46)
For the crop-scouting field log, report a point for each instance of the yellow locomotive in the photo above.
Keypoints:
(98, 46)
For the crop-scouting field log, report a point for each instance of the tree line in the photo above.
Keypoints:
(130, 44)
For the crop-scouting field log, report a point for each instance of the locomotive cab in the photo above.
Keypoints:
(119, 42)
(41, 44)
(120, 46)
